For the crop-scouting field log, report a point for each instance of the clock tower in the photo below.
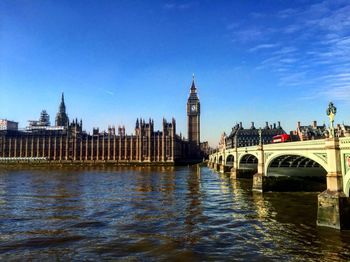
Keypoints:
(193, 116)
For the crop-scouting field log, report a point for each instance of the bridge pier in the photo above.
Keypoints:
(224, 169)
(236, 173)
(259, 177)
(333, 205)
(258, 182)
(209, 164)
(212, 165)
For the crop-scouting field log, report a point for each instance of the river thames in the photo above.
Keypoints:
(148, 214)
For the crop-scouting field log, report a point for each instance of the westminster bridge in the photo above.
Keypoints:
(328, 158)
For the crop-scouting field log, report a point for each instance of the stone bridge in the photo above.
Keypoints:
(329, 158)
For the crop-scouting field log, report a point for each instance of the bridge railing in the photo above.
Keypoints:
(287, 145)
(344, 141)
(297, 144)
(19, 159)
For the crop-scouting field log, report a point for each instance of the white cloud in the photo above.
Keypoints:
(109, 92)
(313, 49)
(341, 93)
(247, 35)
(262, 46)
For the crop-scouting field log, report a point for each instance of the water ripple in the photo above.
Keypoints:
(152, 214)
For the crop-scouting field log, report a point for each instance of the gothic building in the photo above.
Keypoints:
(193, 116)
(62, 117)
(67, 142)
(193, 124)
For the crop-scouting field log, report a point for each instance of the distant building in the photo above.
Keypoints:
(8, 125)
(42, 123)
(315, 131)
(342, 130)
(205, 149)
(241, 137)
(222, 142)
(66, 141)
(309, 132)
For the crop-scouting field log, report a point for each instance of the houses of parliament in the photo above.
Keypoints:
(67, 142)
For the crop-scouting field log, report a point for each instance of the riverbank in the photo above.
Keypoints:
(98, 164)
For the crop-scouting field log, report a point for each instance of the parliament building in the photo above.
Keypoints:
(67, 142)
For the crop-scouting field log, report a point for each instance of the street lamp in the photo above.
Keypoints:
(331, 112)
(260, 136)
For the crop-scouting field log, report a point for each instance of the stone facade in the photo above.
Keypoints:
(67, 142)
(241, 137)
(314, 131)
(72, 144)
(8, 125)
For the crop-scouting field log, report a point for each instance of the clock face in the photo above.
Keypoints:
(193, 108)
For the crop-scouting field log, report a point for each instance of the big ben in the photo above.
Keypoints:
(193, 116)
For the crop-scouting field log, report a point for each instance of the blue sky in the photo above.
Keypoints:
(271, 60)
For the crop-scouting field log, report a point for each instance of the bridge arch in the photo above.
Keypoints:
(347, 183)
(248, 161)
(347, 188)
(214, 159)
(220, 159)
(229, 160)
(298, 162)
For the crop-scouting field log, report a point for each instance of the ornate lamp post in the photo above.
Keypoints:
(331, 111)
(260, 136)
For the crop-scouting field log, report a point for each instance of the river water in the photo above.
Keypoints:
(148, 214)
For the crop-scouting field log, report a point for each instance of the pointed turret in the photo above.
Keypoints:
(193, 86)
(62, 108)
(193, 91)
(62, 117)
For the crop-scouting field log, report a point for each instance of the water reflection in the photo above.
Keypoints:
(149, 213)
(262, 208)
(194, 209)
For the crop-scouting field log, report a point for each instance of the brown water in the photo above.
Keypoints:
(183, 214)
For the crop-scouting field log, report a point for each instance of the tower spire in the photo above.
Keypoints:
(61, 117)
(62, 108)
(193, 85)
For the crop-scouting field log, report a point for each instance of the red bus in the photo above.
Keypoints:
(281, 138)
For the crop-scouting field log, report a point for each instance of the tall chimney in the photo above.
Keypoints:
(274, 125)
(314, 124)
(298, 125)
(252, 127)
(240, 125)
(279, 124)
(267, 125)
